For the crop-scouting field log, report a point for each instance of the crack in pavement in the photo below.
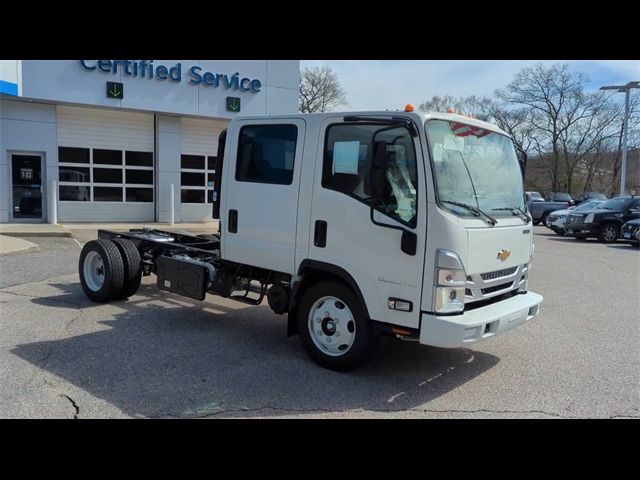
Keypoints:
(326, 410)
(75, 406)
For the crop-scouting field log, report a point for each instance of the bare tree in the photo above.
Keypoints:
(320, 90)
(478, 107)
(551, 94)
(514, 121)
(595, 126)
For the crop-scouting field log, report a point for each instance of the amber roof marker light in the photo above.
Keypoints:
(408, 107)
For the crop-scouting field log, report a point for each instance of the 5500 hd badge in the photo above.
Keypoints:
(147, 69)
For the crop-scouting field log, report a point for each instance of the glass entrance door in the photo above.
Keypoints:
(26, 175)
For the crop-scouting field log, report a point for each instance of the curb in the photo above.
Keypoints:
(23, 247)
(35, 234)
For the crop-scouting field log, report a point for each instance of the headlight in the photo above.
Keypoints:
(449, 280)
(589, 218)
(454, 278)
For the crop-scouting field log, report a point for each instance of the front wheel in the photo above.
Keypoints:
(333, 327)
(608, 233)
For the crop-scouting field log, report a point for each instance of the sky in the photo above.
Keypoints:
(391, 84)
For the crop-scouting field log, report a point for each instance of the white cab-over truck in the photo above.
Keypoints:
(354, 225)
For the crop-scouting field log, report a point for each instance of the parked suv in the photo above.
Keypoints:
(605, 222)
(556, 220)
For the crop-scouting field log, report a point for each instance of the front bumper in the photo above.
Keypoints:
(630, 234)
(582, 229)
(459, 330)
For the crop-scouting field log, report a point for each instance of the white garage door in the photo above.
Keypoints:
(106, 165)
(197, 167)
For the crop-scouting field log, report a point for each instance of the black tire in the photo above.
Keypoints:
(559, 232)
(132, 267)
(536, 222)
(543, 220)
(609, 233)
(112, 270)
(365, 337)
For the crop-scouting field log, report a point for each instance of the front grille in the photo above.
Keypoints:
(497, 288)
(498, 274)
(574, 219)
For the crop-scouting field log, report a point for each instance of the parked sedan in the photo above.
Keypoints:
(556, 220)
(605, 222)
(631, 232)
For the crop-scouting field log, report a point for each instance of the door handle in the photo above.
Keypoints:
(233, 221)
(320, 234)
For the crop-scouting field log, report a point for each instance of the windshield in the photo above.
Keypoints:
(589, 205)
(474, 166)
(614, 204)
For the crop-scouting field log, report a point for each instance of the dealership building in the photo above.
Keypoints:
(116, 140)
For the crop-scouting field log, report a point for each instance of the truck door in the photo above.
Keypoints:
(260, 199)
(371, 254)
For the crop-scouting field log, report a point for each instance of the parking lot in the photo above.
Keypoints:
(160, 355)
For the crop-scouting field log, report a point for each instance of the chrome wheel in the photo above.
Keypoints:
(331, 326)
(609, 234)
(93, 270)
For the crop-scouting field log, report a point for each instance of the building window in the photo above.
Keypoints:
(105, 175)
(266, 154)
(196, 178)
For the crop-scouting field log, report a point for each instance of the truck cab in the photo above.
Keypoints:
(354, 225)
(421, 216)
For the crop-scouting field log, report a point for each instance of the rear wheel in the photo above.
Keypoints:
(609, 233)
(132, 267)
(543, 220)
(333, 327)
(101, 270)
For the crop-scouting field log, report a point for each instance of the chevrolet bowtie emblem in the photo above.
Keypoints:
(503, 254)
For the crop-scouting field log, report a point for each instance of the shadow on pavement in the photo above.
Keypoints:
(623, 246)
(163, 355)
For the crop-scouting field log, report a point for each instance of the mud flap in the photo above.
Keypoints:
(292, 323)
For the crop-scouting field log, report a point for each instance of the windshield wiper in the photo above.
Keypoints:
(517, 211)
(492, 221)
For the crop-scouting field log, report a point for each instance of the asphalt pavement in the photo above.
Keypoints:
(160, 355)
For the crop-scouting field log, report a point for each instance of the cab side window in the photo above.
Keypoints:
(347, 156)
(266, 154)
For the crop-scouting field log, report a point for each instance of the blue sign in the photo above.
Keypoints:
(147, 69)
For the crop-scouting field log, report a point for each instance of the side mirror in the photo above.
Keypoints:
(376, 181)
